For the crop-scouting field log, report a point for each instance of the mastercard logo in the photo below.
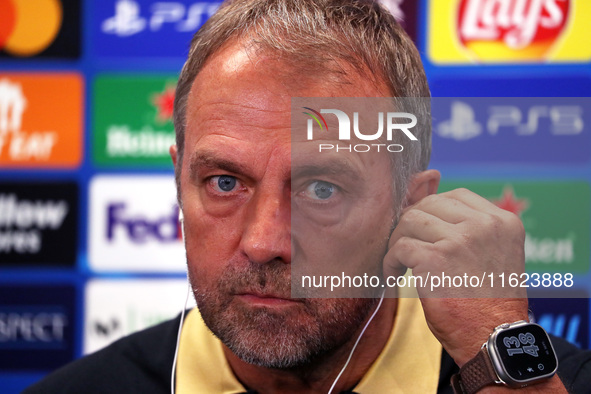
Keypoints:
(28, 27)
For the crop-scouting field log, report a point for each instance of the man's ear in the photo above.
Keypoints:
(173, 154)
(421, 185)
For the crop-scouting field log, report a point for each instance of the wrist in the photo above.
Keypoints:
(463, 355)
(515, 355)
(552, 385)
(513, 310)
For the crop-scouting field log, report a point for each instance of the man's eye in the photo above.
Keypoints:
(320, 190)
(223, 183)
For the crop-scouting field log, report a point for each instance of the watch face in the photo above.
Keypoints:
(526, 352)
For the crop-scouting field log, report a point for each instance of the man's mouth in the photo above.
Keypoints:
(266, 299)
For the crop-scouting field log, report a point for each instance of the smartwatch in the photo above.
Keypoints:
(516, 355)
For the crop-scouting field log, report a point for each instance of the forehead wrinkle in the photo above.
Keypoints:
(240, 104)
(242, 115)
(244, 122)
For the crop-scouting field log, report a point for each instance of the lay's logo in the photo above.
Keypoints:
(509, 31)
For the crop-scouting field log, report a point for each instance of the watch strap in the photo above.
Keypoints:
(475, 374)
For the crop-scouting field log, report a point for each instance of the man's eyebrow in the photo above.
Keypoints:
(208, 160)
(335, 167)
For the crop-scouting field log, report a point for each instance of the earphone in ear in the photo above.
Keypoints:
(182, 222)
(178, 339)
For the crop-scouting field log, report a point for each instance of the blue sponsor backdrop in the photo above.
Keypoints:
(511, 130)
(504, 85)
(568, 319)
(37, 327)
(146, 29)
(148, 36)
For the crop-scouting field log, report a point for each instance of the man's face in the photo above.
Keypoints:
(241, 187)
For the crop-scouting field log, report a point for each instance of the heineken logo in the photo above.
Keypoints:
(557, 234)
(133, 121)
(510, 202)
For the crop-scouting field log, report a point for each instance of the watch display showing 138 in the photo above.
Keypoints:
(516, 354)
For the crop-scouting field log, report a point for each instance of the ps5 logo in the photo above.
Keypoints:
(128, 21)
(562, 120)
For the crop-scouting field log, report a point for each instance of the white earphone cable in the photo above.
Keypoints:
(178, 339)
(357, 342)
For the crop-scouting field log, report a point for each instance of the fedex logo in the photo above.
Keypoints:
(140, 229)
(134, 225)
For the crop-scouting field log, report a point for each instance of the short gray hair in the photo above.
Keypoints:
(311, 32)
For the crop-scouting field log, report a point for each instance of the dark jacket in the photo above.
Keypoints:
(142, 363)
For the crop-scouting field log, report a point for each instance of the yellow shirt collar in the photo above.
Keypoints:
(409, 363)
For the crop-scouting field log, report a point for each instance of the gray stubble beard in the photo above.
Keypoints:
(295, 337)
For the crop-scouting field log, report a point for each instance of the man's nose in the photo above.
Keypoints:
(267, 232)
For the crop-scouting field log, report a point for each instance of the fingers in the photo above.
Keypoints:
(456, 226)
(433, 218)
(471, 200)
(421, 225)
(406, 252)
(459, 205)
